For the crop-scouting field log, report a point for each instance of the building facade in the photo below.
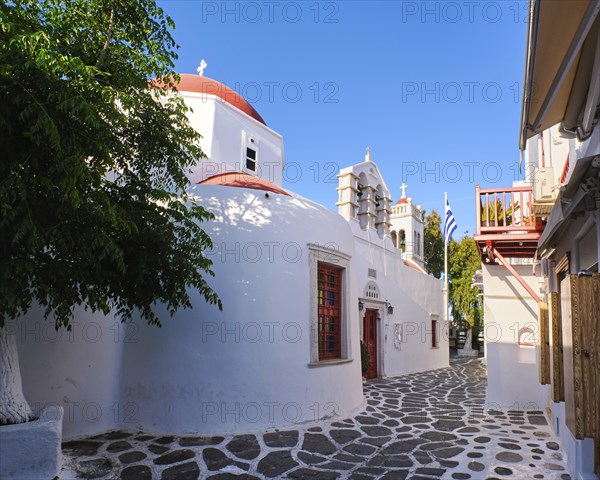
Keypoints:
(301, 287)
(540, 240)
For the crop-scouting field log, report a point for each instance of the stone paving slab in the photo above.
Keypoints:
(431, 425)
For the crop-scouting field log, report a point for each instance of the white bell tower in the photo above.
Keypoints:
(407, 228)
(363, 196)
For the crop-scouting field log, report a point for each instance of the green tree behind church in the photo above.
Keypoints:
(93, 180)
(433, 244)
(463, 261)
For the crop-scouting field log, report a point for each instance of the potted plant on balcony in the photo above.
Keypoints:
(488, 215)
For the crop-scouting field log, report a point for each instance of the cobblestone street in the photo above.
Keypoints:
(428, 425)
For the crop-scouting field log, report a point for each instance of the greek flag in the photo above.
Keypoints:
(450, 224)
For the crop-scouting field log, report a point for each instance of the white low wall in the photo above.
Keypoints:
(513, 372)
(580, 453)
(32, 450)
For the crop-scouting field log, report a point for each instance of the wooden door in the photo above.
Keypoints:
(568, 367)
(595, 362)
(544, 344)
(558, 385)
(370, 340)
(581, 398)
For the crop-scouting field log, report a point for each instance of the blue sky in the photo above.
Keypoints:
(432, 87)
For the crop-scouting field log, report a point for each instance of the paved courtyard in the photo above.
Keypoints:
(423, 426)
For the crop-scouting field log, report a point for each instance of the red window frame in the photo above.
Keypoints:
(330, 311)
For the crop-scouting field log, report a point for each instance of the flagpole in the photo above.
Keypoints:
(445, 263)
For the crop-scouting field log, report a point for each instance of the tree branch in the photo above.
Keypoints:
(111, 26)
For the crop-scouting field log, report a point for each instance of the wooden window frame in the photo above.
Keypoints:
(328, 258)
(252, 160)
(250, 142)
(330, 292)
(434, 327)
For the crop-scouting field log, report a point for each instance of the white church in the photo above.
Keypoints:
(301, 287)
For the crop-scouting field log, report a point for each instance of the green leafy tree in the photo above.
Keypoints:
(93, 179)
(433, 244)
(463, 261)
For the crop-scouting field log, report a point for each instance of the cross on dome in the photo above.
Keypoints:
(368, 155)
(201, 68)
(403, 187)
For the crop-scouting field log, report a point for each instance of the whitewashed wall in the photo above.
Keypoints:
(513, 371)
(261, 265)
(410, 224)
(222, 127)
(414, 296)
(242, 369)
(79, 370)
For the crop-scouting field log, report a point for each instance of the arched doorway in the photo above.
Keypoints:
(370, 326)
(370, 340)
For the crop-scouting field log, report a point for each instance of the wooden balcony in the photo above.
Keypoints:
(506, 222)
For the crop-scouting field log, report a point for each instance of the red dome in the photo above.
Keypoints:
(402, 200)
(208, 86)
(243, 180)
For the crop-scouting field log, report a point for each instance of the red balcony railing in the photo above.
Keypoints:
(506, 224)
(505, 210)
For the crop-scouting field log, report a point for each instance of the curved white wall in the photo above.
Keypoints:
(247, 366)
(79, 370)
(206, 371)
